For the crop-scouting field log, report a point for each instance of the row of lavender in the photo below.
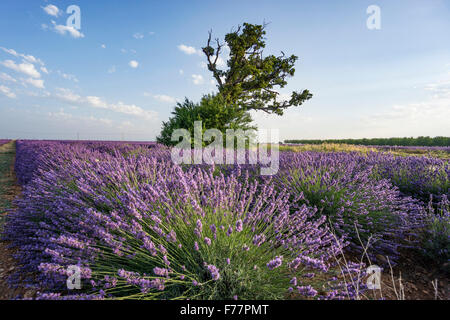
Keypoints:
(2, 142)
(141, 227)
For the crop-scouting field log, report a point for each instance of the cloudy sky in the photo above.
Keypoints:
(119, 75)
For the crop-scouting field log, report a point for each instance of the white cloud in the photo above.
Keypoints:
(189, 50)
(132, 109)
(31, 59)
(420, 118)
(221, 62)
(63, 29)
(181, 71)
(52, 10)
(7, 92)
(41, 94)
(165, 98)
(103, 46)
(10, 51)
(26, 57)
(197, 79)
(439, 89)
(67, 95)
(120, 107)
(44, 70)
(138, 35)
(133, 63)
(68, 76)
(7, 77)
(96, 102)
(61, 115)
(38, 83)
(151, 33)
(99, 103)
(25, 68)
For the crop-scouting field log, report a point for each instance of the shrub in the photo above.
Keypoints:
(140, 227)
(418, 177)
(212, 111)
(436, 238)
(359, 207)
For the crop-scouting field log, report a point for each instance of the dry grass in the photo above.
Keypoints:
(417, 285)
(327, 147)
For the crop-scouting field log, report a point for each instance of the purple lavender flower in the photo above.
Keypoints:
(214, 271)
(239, 225)
(259, 239)
(307, 291)
(163, 272)
(293, 281)
(275, 263)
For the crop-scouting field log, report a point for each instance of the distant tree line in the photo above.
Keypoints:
(419, 141)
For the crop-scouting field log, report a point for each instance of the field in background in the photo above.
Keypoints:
(407, 142)
(437, 152)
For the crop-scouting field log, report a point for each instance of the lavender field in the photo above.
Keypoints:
(141, 227)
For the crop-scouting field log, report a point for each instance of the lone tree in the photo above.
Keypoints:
(251, 81)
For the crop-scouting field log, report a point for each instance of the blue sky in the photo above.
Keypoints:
(118, 77)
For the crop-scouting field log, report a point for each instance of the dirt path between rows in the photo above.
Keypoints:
(9, 189)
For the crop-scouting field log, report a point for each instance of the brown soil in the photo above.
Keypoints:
(414, 279)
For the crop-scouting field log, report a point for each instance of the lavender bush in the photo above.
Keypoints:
(419, 177)
(435, 245)
(362, 209)
(141, 227)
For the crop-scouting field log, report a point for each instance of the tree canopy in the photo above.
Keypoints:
(251, 81)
